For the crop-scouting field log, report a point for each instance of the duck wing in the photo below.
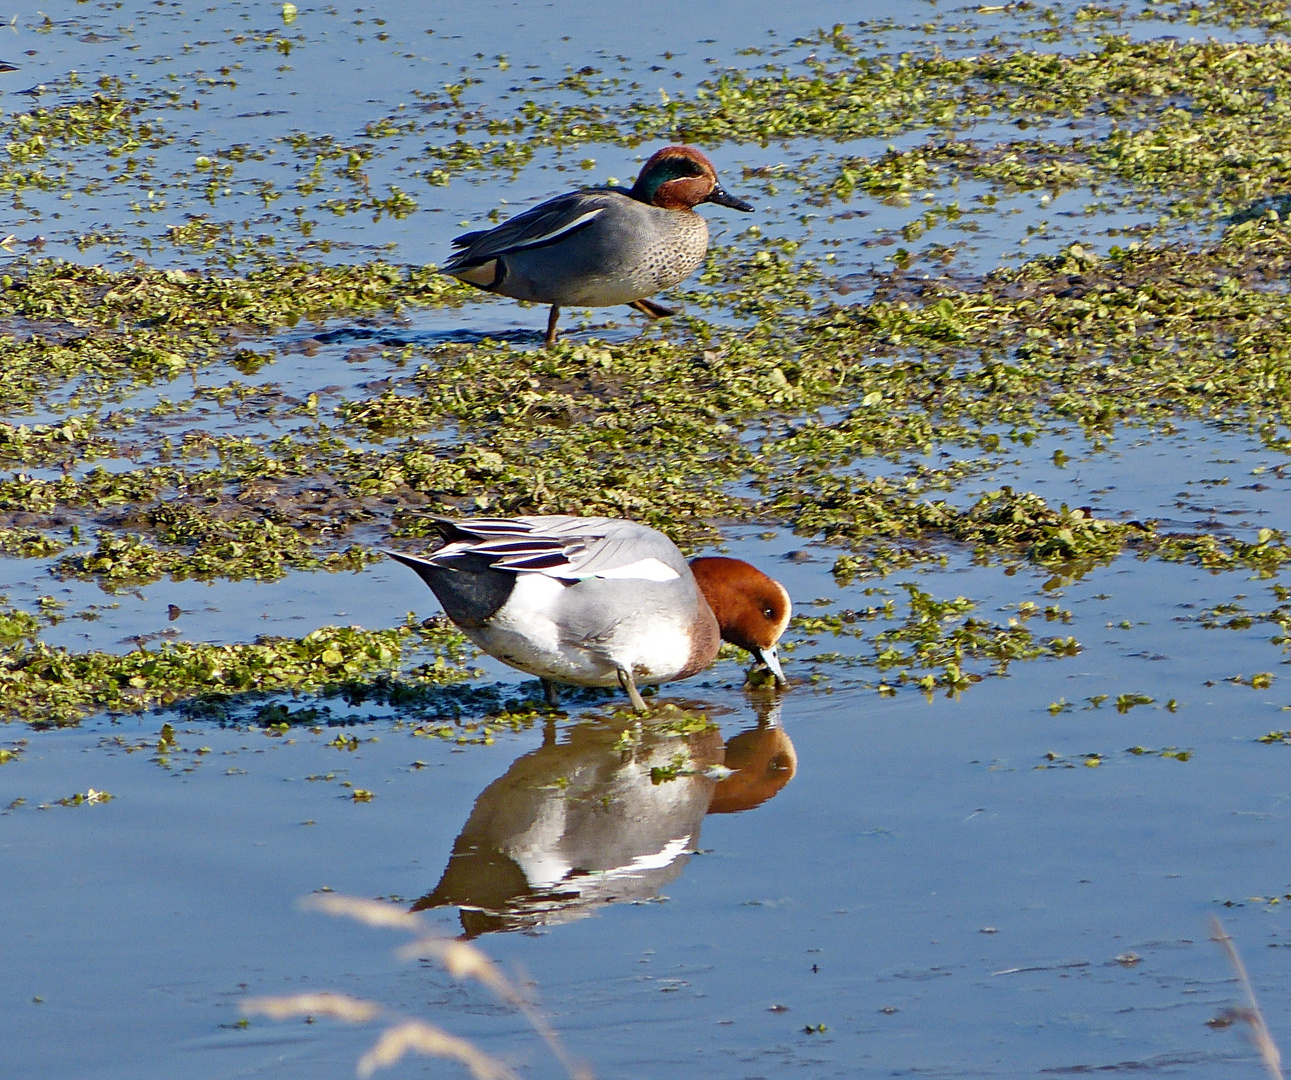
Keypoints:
(567, 548)
(553, 220)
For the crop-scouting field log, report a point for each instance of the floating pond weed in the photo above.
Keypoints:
(48, 685)
(782, 405)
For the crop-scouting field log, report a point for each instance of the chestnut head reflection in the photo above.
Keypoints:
(763, 760)
(612, 813)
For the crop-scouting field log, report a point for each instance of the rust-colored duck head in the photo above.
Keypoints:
(680, 178)
(751, 609)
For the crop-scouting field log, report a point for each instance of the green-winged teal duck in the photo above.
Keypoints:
(602, 246)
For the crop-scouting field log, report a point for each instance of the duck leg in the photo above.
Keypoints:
(552, 693)
(551, 325)
(630, 688)
(653, 310)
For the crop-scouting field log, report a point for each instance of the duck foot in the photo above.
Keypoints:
(653, 310)
(552, 317)
(630, 688)
(551, 692)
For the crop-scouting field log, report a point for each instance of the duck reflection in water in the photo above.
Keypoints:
(610, 814)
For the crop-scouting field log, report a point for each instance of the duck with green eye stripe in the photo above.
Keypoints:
(599, 247)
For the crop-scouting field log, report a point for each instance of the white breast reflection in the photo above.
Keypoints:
(601, 813)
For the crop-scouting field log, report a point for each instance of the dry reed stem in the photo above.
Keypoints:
(371, 912)
(1251, 1014)
(421, 1038)
(460, 959)
(465, 961)
(354, 1010)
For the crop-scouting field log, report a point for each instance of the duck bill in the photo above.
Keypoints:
(771, 659)
(720, 197)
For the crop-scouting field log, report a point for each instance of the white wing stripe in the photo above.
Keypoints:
(547, 238)
(642, 570)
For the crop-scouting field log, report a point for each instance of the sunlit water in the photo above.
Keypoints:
(991, 885)
(945, 885)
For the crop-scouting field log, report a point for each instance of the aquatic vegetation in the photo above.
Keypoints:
(90, 797)
(644, 428)
(788, 396)
(51, 686)
(927, 644)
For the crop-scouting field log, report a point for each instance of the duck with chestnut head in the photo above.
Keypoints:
(598, 601)
(601, 246)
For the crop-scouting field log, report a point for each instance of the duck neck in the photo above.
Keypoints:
(712, 576)
(705, 640)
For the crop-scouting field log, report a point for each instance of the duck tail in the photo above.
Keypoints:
(467, 587)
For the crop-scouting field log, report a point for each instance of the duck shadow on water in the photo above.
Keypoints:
(402, 337)
(362, 700)
(610, 814)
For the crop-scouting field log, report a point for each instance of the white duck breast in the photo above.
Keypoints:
(579, 633)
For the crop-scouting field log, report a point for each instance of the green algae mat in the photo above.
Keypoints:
(850, 380)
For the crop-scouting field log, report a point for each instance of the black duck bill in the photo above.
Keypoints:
(723, 198)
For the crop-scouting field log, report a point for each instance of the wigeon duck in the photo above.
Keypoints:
(597, 247)
(576, 825)
(598, 601)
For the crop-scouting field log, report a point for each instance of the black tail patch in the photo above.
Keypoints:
(468, 588)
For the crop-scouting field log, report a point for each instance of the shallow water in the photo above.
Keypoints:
(1011, 882)
(233, 86)
(945, 885)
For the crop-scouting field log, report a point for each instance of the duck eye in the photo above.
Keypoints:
(768, 612)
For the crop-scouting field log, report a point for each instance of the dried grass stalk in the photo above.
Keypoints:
(355, 1010)
(371, 912)
(417, 1037)
(463, 961)
(1251, 1014)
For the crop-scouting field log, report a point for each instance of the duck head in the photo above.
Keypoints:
(680, 178)
(751, 609)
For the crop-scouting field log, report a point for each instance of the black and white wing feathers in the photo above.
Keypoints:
(568, 548)
(553, 220)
